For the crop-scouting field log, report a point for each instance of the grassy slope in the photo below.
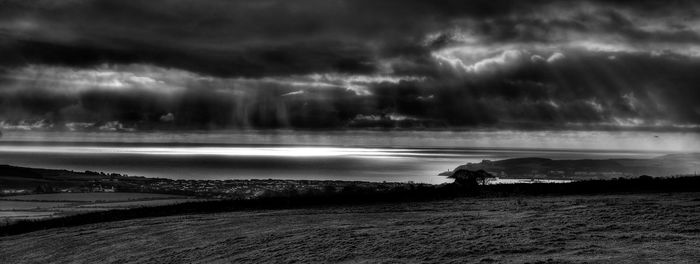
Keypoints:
(599, 228)
(91, 197)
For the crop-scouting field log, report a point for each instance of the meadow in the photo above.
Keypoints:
(89, 197)
(601, 228)
(40, 206)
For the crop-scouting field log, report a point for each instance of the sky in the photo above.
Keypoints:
(103, 65)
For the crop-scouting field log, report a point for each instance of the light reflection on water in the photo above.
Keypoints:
(270, 161)
(234, 151)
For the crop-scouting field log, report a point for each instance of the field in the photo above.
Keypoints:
(644, 228)
(89, 197)
(38, 206)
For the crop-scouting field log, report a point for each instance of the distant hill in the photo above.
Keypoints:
(20, 177)
(542, 168)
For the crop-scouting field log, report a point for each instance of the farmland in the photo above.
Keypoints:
(620, 228)
(38, 206)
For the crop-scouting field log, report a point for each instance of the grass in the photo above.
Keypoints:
(15, 209)
(135, 204)
(28, 205)
(89, 197)
(357, 196)
(600, 228)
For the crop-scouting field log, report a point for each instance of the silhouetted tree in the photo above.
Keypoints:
(470, 179)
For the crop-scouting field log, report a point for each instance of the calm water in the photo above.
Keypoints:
(210, 161)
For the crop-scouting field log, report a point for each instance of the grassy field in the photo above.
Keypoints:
(36, 206)
(132, 204)
(645, 228)
(9, 205)
(89, 197)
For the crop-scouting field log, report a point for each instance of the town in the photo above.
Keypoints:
(35, 181)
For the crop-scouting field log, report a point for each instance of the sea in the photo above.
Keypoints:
(376, 156)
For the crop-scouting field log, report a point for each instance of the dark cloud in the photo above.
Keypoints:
(349, 64)
(254, 38)
(255, 61)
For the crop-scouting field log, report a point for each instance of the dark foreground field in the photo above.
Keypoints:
(643, 228)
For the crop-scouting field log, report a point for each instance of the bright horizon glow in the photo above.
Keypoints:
(315, 143)
(300, 152)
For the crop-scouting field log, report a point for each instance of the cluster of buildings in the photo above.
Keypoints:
(225, 189)
(247, 189)
(15, 191)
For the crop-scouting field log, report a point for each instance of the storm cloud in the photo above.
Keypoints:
(318, 64)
